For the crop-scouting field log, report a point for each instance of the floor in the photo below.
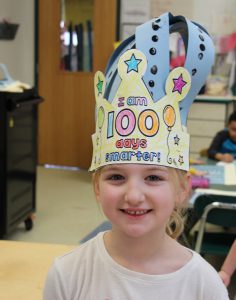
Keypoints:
(67, 211)
(66, 208)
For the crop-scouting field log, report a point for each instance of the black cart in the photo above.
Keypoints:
(18, 159)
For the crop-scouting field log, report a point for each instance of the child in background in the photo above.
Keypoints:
(229, 265)
(223, 146)
(140, 163)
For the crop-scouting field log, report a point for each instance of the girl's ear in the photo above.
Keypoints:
(185, 189)
(96, 187)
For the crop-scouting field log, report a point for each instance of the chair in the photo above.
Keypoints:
(106, 225)
(218, 210)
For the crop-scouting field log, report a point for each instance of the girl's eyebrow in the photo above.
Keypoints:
(147, 168)
(112, 169)
(157, 168)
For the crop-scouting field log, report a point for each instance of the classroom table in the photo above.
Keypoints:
(24, 266)
(227, 188)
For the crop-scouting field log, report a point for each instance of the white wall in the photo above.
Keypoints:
(176, 7)
(18, 54)
(218, 16)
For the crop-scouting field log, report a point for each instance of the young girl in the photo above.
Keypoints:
(140, 162)
(140, 257)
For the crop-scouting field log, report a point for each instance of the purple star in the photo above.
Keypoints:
(179, 83)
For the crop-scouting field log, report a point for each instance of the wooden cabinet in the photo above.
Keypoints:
(66, 117)
(207, 116)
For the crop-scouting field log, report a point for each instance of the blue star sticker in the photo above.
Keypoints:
(133, 63)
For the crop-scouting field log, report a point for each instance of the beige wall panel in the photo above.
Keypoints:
(199, 143)
(204, 127)
(207, 111)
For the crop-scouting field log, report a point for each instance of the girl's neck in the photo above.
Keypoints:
(140, 247)
(148, 255)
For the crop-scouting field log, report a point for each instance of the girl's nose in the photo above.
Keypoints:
(134, 194)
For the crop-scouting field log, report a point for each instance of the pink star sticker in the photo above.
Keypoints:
(179, 83)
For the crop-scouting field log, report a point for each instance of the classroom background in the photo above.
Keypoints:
(49, 51)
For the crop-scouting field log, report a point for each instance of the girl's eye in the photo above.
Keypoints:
(153, 178)
(116, 177)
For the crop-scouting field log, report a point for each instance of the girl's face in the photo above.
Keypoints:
(138, 199)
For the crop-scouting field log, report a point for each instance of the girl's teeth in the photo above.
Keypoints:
(136, 212)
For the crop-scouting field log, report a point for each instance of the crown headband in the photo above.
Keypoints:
(142, 107)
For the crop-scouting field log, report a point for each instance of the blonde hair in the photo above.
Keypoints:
(175, 225)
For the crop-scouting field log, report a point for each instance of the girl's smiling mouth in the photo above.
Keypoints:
(136, 212)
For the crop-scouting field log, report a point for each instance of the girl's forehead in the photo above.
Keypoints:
(135, 167)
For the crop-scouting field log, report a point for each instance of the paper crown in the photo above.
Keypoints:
(142, 106)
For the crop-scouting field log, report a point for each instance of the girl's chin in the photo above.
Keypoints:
(136, 231)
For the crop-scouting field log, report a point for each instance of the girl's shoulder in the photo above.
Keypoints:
(204, 270)
(207, 279)
(86, 252)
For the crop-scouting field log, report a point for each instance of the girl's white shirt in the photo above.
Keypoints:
(90, 273)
